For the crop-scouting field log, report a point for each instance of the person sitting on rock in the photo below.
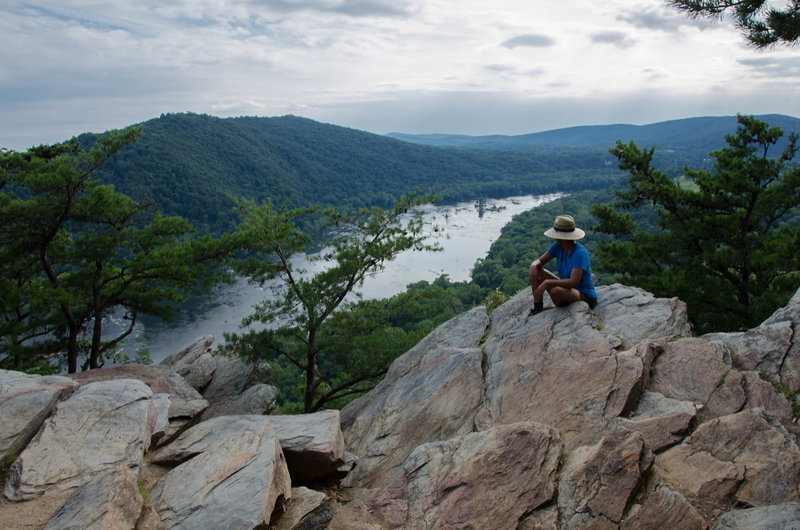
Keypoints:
(574, 280)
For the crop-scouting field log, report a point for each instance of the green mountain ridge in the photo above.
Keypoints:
(195, 165)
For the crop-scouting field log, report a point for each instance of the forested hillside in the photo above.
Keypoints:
(195, 165)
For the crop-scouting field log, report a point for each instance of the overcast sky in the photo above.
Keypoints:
(415, 66)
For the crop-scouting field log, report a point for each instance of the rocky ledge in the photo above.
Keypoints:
(615, 417)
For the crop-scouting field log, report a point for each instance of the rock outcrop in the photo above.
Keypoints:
(615, 417)
(649, 426)
(83, 449)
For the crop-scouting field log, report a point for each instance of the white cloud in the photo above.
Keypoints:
(617, 38)
(532, 40)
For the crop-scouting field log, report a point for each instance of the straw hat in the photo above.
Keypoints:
(564, 228)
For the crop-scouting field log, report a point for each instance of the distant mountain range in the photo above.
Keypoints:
(195, 165)
(704, 134)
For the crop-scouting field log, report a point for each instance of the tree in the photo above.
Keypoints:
(74, 250)
(309, 322)
(762, 24)
(721, 246)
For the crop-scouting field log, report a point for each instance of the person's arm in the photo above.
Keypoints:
(541, 260)
(567, 283)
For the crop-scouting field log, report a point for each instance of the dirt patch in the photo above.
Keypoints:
(29, 515)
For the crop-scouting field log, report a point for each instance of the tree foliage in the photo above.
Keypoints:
(762, 23)
(722, 244)
(313, 322)
(73, 250)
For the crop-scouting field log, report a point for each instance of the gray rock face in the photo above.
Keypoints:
(228, 380)
(779, 516)
(185, 401)
(665, 508)
(431, 393)
(110, 501)
(445, 484)
(690, 370)
(753, 443)
(306, 510)
(25, 402)
(183, 360)
(257, 399)
(657, 428)
(661, 420)
(100, 426)
(636, 315)
(312, 443)
(772, 348)
(572, 418)
(600, 481)
(222, 461)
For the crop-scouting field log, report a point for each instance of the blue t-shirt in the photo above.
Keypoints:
(577, 258)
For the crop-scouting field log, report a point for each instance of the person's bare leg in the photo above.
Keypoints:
(536, 276)
(562, 296)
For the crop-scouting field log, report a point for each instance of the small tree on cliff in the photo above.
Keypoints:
(73, 250)
(309, 322)
(724, 247)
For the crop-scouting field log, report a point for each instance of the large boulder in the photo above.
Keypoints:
(257, 399)
(747, 458)
(773, 348)
(430, 393)
(111, 500)
(306, 510)
(25, 401)
(778, 516)
(560, 369)
(196, 363)
(487, 479)
(661, 420)
(312, 444)
(690, 370)
(100, 426)
(184, 401)
(219, 463)
(599, 482)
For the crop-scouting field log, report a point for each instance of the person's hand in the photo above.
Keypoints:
(540, 290)
(535, 270)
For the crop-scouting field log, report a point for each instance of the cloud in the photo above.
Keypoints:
(353, 8)
(531, 39)
(662, 19)
(773, 67)
(617, 38)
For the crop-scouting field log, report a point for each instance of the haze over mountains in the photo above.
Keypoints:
(196, 165)
(705, 133)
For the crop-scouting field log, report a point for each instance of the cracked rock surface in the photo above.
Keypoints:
(650, 423)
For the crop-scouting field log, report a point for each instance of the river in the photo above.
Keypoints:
(468, 232)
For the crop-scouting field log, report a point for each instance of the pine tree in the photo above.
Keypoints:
(762, 24)
(73, 251)
(723, 245)
(312, 321)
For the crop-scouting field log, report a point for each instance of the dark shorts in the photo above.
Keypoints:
(591, 300)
